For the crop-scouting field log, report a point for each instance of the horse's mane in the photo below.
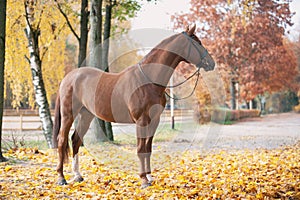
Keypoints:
(166, 41)
(162, 46)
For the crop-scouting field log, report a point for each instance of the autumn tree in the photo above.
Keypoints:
(297, 52)
(45, 38)
(33, 33)
(18, 80)
(66, 10)
(2, 63)
(101, 128)
(19, 91)
(247, 38)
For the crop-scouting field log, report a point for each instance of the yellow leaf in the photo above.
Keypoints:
(200, 175)
(259, 195)
(7, 168)
(79, 184)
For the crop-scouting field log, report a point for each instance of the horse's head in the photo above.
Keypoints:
(195, 52)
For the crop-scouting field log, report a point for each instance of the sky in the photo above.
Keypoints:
(295, 7)
(158, 15)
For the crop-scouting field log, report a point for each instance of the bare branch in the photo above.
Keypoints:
(40, 19)
(26, 16)
(26, 57)
(46, 48)
(67, 20)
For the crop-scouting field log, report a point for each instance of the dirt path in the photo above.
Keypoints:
(268, 132)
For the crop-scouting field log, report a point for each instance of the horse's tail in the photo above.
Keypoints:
(56, 129)
(56, 125)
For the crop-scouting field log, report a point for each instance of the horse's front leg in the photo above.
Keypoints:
(144, 155)
(145, 133)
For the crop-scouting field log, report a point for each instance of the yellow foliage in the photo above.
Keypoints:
(210, 93)
(238, 174)
(52, 50)
(297, 108)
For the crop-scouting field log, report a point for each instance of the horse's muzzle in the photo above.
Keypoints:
(207, 63)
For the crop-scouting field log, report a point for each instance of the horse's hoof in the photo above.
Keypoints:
(145, 185)
(78, 179)
(150, 179)
(62, 182)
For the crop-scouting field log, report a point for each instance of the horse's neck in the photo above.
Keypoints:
(163, 57)
(159, 65)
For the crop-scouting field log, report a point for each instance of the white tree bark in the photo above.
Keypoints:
(32, 34)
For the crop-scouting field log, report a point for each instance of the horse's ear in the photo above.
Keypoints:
(187, 29)
(192, 30)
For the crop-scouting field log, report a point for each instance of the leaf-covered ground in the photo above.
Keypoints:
(111, 174)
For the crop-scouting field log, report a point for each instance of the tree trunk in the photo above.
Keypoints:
(83, 33)
(106, 35)
(2, 63)
(96, 33)
(98, 125)
(233, 93)
(102, 129)
(32, 34)
(105, 50)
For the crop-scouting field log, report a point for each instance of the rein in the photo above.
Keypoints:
(197, 72)
(167, 86)
(196, 83)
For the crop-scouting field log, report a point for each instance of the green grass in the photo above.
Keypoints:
(164, 133)
(121, 139)
(228, 122)
(7, 144)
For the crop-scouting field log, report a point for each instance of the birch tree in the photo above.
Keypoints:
(19, 92)
(32, 32)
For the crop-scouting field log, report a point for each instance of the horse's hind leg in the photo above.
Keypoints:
(63, 147)
(68, 113)
(84, 120)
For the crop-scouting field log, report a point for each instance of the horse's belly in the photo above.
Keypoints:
(118, 118)
(121, 114)
(114, 111)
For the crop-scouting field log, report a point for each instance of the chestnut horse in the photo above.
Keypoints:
(135, 95)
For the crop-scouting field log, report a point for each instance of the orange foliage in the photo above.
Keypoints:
(247, 37)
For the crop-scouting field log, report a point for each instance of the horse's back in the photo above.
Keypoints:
(82, 72)
(79, 86)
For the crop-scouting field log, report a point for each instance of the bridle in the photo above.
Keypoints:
(197, 48)
(197, 72)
